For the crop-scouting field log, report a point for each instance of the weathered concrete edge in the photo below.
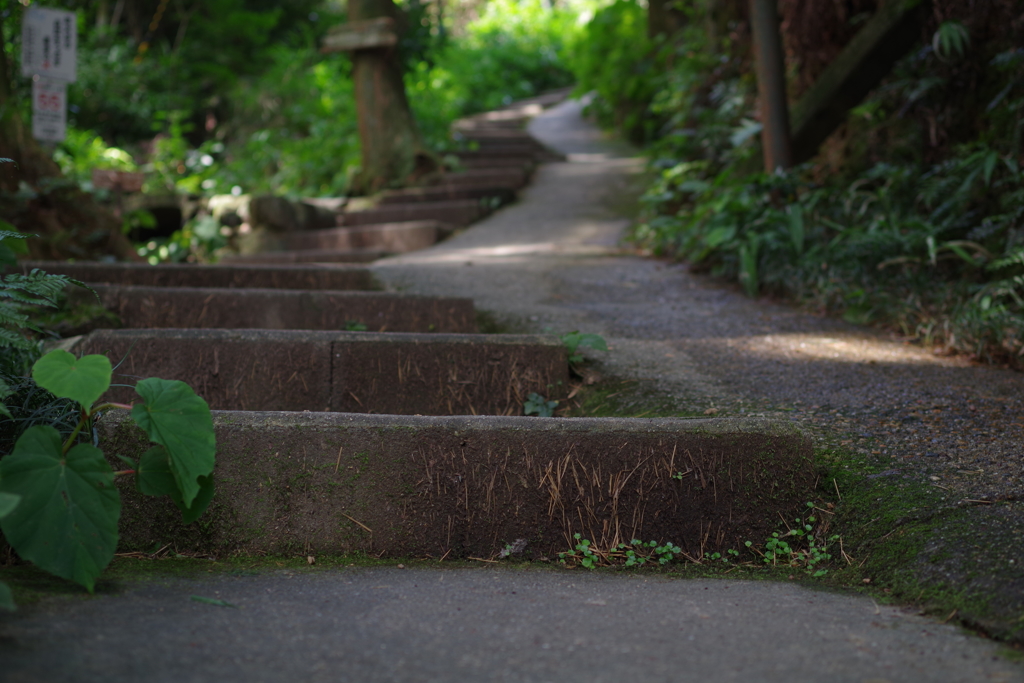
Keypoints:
(707, 426)
(434, 486)
(214, 335)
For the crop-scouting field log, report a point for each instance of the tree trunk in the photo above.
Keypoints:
(771, 85)
(393, 154)
(70, 221)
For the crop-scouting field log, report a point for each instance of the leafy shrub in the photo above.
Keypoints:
(294, 131)
(20, 295)
(61, 504)
(615, 60)
(514, 50)
(934, 252)
(58, 504)
(873, 230)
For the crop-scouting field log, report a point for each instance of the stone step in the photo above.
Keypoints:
(394, 238)
(356, 372)
(190, 275)
(280, 309)
(308, 256)
(513, 116)
(473, 160)
(500, 144)
(504, 154)
(410, 486)
(512, 178)
(456, 213)
(501, 137)
(501, 121)
(499, 195)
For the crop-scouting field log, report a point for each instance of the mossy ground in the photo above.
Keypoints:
(903, 539)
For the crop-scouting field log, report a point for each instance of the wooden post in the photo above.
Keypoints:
(392, 151)
(771, 85)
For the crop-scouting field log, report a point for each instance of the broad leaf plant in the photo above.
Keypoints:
(58, 501)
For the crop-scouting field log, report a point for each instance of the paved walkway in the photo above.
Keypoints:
(548, 262)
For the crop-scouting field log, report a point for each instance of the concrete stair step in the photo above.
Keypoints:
(506, 154)
(280, 309)
(357, 372)
(330, 483)
(456, 213)
(471, 160)
(190, 275)
(312, 256)
(500, 195)
(395, 238)
(510, 177)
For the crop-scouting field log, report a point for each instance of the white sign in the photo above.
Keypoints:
(49, 109)
(49, 44)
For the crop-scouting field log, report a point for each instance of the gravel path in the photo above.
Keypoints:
(554, 262)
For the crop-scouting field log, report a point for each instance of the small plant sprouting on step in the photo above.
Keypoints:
(634, 554)
(514, 548)
(582, 553)
(798, 547)
(538, 405)
(575, 340)
(730, 553)
(59, 507)
(355, 326)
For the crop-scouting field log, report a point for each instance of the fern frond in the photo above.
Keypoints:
(11, 339)
(10, 314)
(13, 234)
(42, 288)
(1014, 258)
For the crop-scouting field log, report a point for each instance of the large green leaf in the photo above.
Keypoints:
(66, 522)
(180, 421)
(80, 379)
(6, 599)
(154, 478)
(5, 391)
(8, 501)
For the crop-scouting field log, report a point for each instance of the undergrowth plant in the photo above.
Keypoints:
(8, 501)
(636, 553)
(803, 546)
(20, 296)
(926, 239)
(538, 405)
(798, 547)
(935, 253)
(58, 501)
(575, 340)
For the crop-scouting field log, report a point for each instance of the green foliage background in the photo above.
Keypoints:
(912, 217)
(241, 97)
